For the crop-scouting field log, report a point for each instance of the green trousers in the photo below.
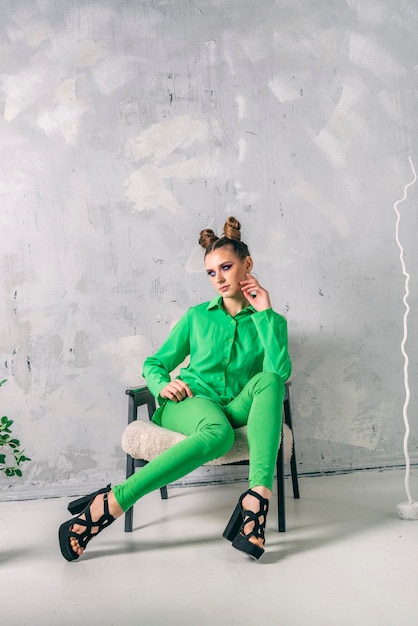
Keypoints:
(209, 430)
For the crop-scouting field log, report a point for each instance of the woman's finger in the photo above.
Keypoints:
(176, 391)
(183, 387)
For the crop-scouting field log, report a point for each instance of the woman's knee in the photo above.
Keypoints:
(204, 422)
(219, 437)
(269, 380)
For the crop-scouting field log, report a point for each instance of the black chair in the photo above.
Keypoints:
(142, 396)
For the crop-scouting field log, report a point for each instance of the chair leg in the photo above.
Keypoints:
(294, 471)
(293, 463)
(280, 491)
(130, 469)
(129, 520)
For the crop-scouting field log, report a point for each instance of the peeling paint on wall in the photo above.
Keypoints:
(163, 149)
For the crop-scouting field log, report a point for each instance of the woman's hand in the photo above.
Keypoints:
(256, 295)
(176, 391)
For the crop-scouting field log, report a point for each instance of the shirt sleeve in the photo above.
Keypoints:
(272, 331)
(157, 368)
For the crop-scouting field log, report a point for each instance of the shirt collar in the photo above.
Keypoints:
(216, 303)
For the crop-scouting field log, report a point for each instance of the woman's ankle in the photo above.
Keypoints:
(264, 492)
(114, 507)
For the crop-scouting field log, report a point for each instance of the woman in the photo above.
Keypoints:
(238, 365)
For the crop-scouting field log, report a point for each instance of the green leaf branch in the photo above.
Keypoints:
(11, 456)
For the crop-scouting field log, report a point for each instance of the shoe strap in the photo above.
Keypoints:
(103, 521)
(250, 516)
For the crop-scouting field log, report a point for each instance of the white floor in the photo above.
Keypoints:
(346, 559)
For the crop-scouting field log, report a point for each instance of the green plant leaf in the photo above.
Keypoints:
(12, 444)
(20, 457)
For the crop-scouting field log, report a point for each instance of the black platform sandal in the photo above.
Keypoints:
(234, 530)
(65, 532)
(76, 506)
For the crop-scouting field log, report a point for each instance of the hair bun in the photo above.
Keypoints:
(231, 238)
(232, 229)
(207, 237)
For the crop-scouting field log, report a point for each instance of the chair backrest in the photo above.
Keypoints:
(139, 397)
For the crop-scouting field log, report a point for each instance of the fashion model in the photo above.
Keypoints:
(238, 365)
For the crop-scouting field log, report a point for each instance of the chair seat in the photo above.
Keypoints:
(146, 440)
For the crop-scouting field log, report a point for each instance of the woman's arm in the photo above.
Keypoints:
(157, 368)
(272, 331)
(271, 327)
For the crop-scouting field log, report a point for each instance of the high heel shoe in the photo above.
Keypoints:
(65, 532)
(76, 506)
(234, 530)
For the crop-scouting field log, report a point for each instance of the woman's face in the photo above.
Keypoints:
(226, 271)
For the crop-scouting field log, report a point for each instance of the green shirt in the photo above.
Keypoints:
(225, 352)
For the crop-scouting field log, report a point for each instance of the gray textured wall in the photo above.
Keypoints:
(128, 126)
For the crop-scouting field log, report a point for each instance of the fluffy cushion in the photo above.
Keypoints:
(143, 439)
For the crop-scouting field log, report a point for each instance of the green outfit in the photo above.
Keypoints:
(236, 372)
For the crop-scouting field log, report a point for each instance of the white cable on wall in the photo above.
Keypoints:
(407, 510)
